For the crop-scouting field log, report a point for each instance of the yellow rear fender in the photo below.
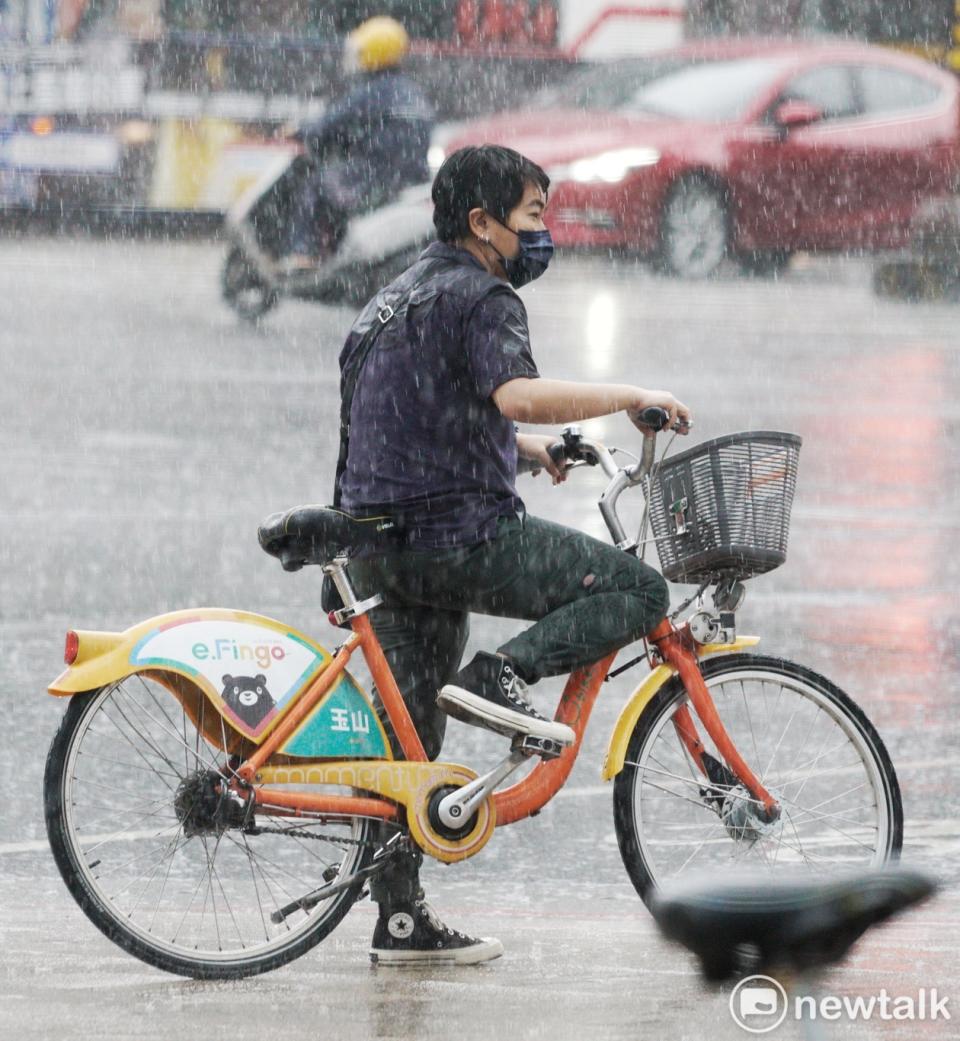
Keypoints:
(204, 645)
(250, 668)
(644, 694)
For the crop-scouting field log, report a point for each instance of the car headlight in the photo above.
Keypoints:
(435, 157)
(607, 167)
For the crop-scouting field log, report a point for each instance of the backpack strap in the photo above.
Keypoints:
(390, 306)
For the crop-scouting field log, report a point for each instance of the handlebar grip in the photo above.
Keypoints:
(558, 453)
(654, 417)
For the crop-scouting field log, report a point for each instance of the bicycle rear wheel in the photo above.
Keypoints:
(149, 852)
(811, 747)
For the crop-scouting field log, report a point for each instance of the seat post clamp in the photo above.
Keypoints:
(359, 608)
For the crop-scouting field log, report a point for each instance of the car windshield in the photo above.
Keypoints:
(678, 88)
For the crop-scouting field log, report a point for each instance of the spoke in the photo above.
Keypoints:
(136, 748)
(783, 734)
(820, 753)
(193, 896)
(112, 837)
(790, 778)
(112, 868)
(226, 901)
(95, 826)
(151, 693)
(753, 736)
(725, 790)
(210, 764)
(126, 742)
(166, 856)
(677, 795)
(144, 800)
(141, 733)
(799, 813)
(696, 851)
(277, 866)
(126, 765)
(255, 860)
(840, 831)
(826, 802)
(256, 889)
(166, 875)
(209, 894)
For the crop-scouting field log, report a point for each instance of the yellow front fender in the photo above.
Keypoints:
(644, 694)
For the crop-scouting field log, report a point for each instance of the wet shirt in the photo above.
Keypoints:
(427, 443)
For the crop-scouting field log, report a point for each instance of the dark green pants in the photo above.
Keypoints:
(585, 597)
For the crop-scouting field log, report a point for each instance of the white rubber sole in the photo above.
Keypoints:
(471, 708)
(474, 954)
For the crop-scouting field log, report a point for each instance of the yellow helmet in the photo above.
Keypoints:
(378, 43)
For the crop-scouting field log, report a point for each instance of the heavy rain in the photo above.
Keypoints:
(211, 213)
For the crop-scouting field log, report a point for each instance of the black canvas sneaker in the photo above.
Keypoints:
(412, 934)
(489, 693)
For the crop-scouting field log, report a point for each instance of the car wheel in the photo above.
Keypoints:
(694, 229)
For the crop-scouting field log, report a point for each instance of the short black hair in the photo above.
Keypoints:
(487, 176)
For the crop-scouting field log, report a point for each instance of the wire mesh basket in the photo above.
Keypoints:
(722, 509)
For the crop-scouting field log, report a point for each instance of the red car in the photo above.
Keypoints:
(750, 147)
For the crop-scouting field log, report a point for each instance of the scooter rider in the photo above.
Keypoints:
(433, 443)
(380, 129)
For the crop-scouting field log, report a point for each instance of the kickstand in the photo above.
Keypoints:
(396, 844)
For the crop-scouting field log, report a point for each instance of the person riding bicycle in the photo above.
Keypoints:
(433, 443)
(367, 146)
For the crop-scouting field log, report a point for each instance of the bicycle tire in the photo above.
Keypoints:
(636, 825)
(135, 882)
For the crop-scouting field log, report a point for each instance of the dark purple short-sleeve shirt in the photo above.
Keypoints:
(427, 443)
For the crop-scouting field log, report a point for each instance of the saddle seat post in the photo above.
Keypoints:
(353, 606)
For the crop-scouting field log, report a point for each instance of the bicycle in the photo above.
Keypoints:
(220, 787)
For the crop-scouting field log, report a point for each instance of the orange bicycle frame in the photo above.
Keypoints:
(531, 793)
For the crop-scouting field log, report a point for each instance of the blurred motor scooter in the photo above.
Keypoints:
(373, 248)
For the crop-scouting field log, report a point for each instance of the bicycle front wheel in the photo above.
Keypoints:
(159, 863)
(809, 744)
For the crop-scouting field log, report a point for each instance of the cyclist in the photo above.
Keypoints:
(381, 127)
(432, 442)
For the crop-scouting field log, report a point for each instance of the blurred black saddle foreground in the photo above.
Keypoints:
(754, 923)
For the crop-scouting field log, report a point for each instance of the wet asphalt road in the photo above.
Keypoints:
(145, 433)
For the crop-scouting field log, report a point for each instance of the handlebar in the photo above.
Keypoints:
(577, 450)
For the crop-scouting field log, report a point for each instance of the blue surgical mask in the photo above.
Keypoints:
(536, 249)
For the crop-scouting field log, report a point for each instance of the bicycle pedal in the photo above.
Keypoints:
(544, 747)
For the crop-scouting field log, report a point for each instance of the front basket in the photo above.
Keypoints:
(722, 509)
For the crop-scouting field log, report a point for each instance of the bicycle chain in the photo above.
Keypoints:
(290, 832)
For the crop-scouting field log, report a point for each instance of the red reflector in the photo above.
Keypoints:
(72, 648)
(332, 618)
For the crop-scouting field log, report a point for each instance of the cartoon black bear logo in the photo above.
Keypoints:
(248, 698)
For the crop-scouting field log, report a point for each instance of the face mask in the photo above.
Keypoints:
(536, 249)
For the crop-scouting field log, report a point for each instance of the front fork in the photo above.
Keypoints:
(678, 648)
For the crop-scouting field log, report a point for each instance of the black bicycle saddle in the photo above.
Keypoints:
(317, 534)
(755, 922)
